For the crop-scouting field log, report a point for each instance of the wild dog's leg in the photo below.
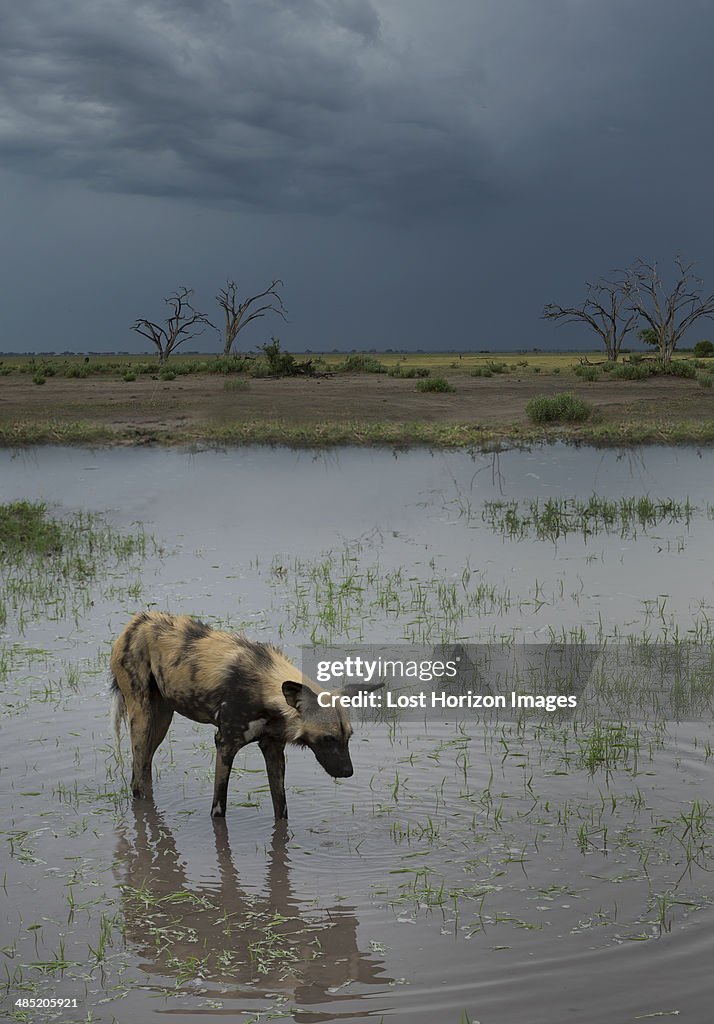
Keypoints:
(139, 713)
(226, 750)
(161, 715)
(149, 721)
(274, 754)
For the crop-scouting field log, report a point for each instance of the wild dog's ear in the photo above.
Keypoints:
(352, 688)
(297, 695)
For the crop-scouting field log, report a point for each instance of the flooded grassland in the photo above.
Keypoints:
(512, 870)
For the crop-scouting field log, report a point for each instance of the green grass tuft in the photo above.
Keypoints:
(360, 363)
(563, 408)
(409, 372)
(26, 530)
(587, 373)
(438, 384)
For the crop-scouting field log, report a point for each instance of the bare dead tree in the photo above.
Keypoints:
(605, 309)
(184, 322)
(668, 314)
(236, 311)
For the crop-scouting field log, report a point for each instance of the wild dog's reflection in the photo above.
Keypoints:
(224, 941)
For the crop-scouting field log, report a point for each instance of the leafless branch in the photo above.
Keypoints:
(184, 322)
(235, 311)
(669, 314)
(603, 310)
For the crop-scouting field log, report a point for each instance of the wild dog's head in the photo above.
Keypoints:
(325, 730)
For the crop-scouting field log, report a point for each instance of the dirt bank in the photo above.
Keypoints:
(190, 406)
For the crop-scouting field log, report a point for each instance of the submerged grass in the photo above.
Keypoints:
(26, 531)
(554, 518)
(338, 596)
(49, 562)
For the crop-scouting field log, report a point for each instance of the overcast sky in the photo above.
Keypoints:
(419, 174)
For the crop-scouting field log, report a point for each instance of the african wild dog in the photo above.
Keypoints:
(250, 691)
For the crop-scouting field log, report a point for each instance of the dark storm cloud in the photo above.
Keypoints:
(379, 106)
(303, 105)
(447, 167)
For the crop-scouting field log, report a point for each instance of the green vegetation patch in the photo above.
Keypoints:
(48, 562)
(557, 517)
(329, 433)
(438, 384)
(360, 363)
(236, 385)
(226, 365)
(632, 371)
(563, 408)
(585, 372)
(490, 368)
(26, 531)
(409, 372)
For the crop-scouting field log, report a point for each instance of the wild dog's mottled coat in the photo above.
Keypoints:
(250, 691)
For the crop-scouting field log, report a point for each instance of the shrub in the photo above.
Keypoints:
(260, 368)
(563, 408)
(181, 369)
(704, 350)
(409, 372)
(635, 357)
(76, 371)
(230, 364)
(440, 384)
(359, 363)
(704, 380)
(628, 371)
(128, 377)
(167, 374)
(38, 378)
(587, 372)
(491, 367)
(280, 363)
(683, 368)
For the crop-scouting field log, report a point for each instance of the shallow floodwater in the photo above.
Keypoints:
(511, 872)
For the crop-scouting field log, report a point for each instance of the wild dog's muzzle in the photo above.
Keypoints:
(334, 757)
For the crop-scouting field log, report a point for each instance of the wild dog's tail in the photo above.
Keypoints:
(118, 712)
